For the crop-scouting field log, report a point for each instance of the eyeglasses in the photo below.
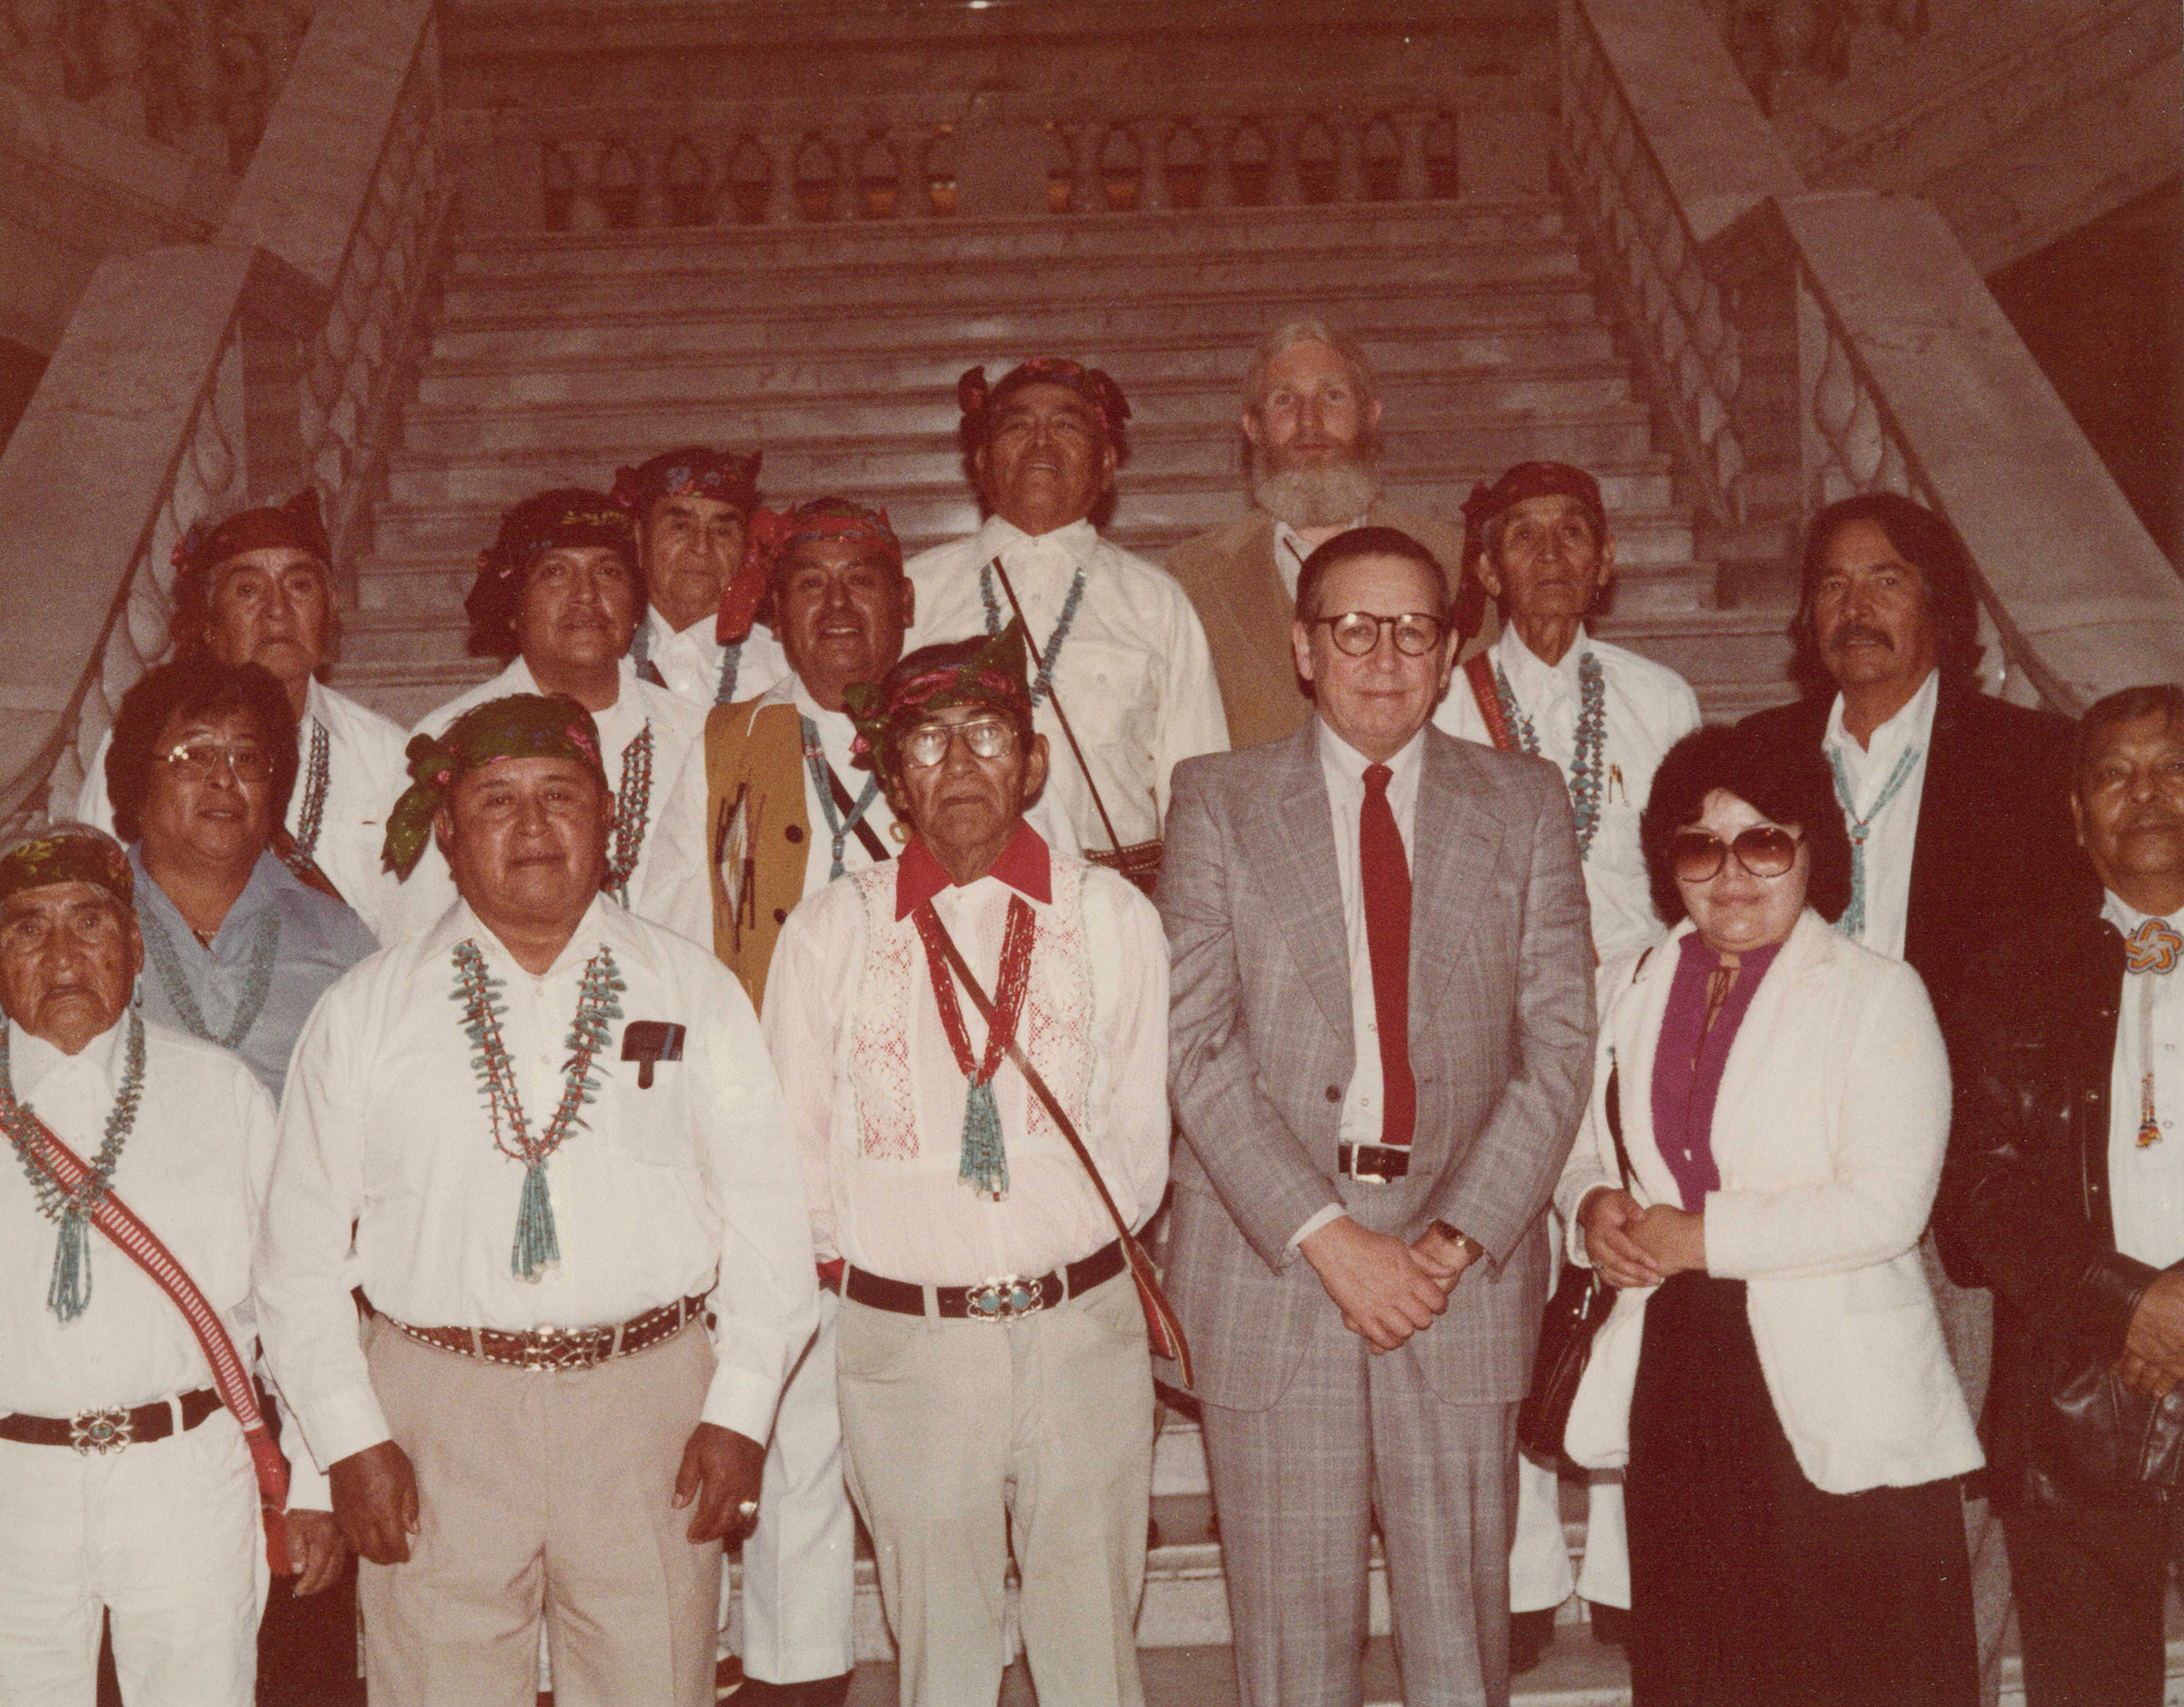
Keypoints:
(928, 743)
(1765, 850)
(1357, 632)
(199, 759)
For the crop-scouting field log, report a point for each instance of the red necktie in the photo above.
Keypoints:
(1386, 877)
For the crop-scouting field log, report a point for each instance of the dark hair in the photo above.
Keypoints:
(2125, 705)
(567, 517)
(1364, 543)
(194, 687)
(1949, 578)
(1789, 783)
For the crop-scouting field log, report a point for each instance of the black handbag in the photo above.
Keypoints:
(1581, 1302)
(2104, 1443)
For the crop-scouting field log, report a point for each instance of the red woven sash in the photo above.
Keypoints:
(230, 1376)
(1479, 670)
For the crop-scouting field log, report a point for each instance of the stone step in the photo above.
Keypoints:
(1737, 658)
(1400, 357)
(1371, 226)
(645, 330)
(668, 405)
(706, 277)
(505, 458)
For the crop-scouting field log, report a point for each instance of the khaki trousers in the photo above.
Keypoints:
(542, 1495)
(962, 1437)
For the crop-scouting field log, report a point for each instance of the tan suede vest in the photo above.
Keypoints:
(755, 764)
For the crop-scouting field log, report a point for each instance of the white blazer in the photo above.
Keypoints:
(1829, 1133)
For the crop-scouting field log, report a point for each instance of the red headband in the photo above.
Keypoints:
(296, 524)
(775, 533)
(977, 400)
(1529, 480)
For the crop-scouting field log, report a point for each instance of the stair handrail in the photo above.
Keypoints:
(196, 379)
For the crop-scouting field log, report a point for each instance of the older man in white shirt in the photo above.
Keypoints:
(995, 1382)
(129, 1490)
(1123, 684)
(562, 587)
(532, 1411)
(693, 510)
(253, 590)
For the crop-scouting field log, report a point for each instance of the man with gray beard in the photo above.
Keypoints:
(1311, 422)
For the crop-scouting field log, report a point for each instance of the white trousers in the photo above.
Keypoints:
(799, 1564)
(1539, 1558)
(163, 1537)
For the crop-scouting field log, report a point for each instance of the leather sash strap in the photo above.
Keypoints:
(1479, 670)
(230, 1374)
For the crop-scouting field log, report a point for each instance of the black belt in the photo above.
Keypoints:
(1375, 1164)
(1001, 1299)
(91, 1431)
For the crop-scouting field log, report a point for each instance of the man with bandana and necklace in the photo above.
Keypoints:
(995, 1382)
(1122, 684)
(255, 589)
(544, 1140)
(135, 1461)
(1538, 539)
(1959, 835)
(562, 587)
(693, 510)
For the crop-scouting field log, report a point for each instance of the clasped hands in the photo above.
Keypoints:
(1386, 1289)
(375, 1501)
(1633, 1244)
(2153, 1346)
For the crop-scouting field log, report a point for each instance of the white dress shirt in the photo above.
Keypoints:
(1892, 840)
(689, 661)
(1134, 676)
(878, 1098)
(2146, 1186)
(193, 1170)
(1648, 709)
(670, 886)
(365, 775)
(1291, 551)
(385, 1126)
(837, 731)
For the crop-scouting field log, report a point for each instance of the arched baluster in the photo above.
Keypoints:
(1413, 181)
(1285, 183)
(1152, 163)
(849, 178)
(1088, 191)
(587, 206)
(782, 147)
(1349, 159)
(652, 208)
(1221, 185)
(685, 183)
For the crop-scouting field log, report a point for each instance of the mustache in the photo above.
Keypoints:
(1857, 634)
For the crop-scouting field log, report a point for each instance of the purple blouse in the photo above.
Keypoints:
(1687, 1066)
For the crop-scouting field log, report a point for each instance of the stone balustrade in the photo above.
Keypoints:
(193, 379)
(1810, 345)
(1015, 154)
(201, 76)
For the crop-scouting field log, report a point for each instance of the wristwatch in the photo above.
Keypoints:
(1473, 1248)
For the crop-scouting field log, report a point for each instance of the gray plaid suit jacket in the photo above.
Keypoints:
(1261, 1054)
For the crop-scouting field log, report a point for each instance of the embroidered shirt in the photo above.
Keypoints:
(1892, 842)
(365, 775)
(1648, 709)
(1134, 676)
(193, 1170)
(662, 1189)
(319, 940)
(669, 885)
(878, 1098)
(2146, 1185)
(689, 661)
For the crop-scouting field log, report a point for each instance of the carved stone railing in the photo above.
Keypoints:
(1806, 345)
(940, 154)
(193, 379)
(200, 76)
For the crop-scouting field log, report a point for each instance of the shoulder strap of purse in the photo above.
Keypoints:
(1615, 1097)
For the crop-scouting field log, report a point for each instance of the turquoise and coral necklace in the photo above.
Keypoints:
(1583, 781)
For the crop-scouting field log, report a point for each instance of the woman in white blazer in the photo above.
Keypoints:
(1772, 1378)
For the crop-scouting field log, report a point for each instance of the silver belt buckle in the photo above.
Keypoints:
(1005, 1299)
(101, 1432)
(548, 1351)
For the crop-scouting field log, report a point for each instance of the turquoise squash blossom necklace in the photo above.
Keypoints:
(1042, 685)
(1586, 767)
(257, 977)
(632, 803)
(69, 1295)
(537, 1243)
(641, 656)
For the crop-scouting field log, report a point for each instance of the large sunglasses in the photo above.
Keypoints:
(1765, 850)
(927, 745)
(1357, 632)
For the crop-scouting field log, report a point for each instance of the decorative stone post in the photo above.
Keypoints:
(1220, 182)
(654, 210)
(782, 147)
(912, 192)
(1413, 182)
(587, 207)
(1152, 135)
(1284, 188)
(1349, 158)
(1088, 186)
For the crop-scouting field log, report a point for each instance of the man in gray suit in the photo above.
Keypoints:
(1381, 1041)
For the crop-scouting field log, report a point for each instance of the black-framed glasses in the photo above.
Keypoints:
(199, 759)
(1765, 850)
(1357, 632)
(928, 743)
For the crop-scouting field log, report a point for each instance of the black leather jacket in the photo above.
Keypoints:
(2024, 1206)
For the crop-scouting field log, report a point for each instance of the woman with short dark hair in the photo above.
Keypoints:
(1772, 1378)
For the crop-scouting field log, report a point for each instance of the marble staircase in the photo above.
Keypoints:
(555, 357)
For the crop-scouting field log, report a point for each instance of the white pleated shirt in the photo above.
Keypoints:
(689, 660)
